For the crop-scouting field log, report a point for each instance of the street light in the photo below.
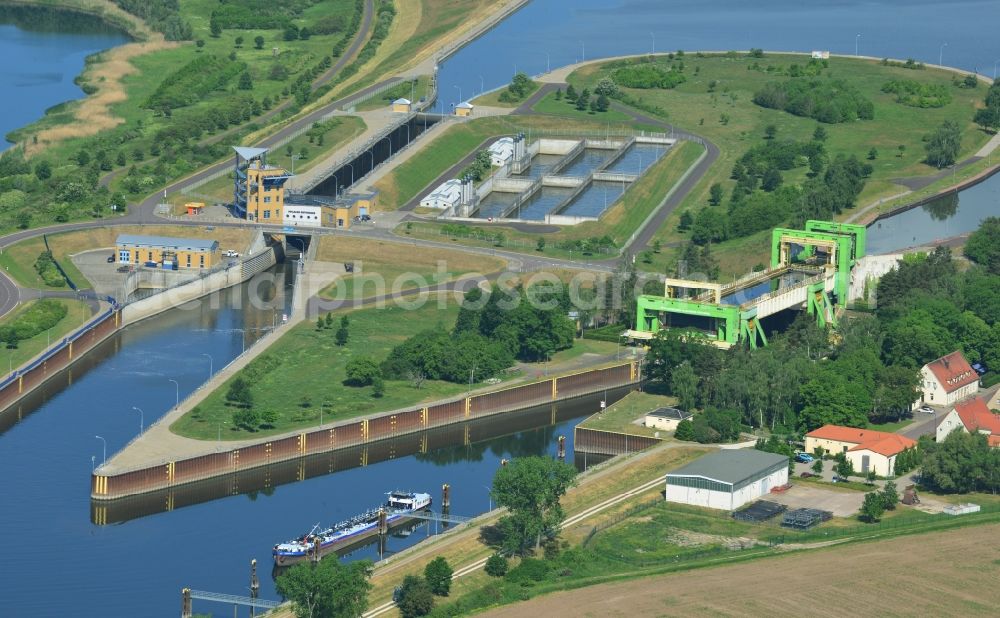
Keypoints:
(548, 63)
(211, 365)
(141, 416)
(177, 392)
(995, 69)
(482, 85)
(489, 495)
(459, 92)
(388, 141)
(351, 165)
(104, 458)
(583, 52)
(857, 38)
(941, 54)
(653, 49)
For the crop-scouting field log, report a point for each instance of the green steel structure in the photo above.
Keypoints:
(835, 246)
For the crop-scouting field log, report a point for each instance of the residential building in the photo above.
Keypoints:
(447, 195)
(727, 479)
(866, 449)
(666, 419)
(969, 416)
(947, 380)
(166, 251)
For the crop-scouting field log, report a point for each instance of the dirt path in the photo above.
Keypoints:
(950, 573)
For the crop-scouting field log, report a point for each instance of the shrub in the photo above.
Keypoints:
(917, 94)
(47, 269)
(193, 82)
(438, 575)
(362, 371)
(829, 101)
(646, 76)
(496, 566)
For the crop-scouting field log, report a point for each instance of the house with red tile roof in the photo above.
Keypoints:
(971, 415)
(866, 449)
(947, 380)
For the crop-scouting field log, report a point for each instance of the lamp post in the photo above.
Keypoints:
(177, 392)
(489, 496)
(211, 365)
(482, 85)
(142, 424)
(294, 158)
(941, 54)
(857, 39)
(995, 62)
(351, 165)
(548, 63)
(104, 458)
(653, 48)
(459, 92)
(93, 462)
(388, 141)
(583, 52)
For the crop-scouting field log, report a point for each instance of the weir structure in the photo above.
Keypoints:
(810, 269)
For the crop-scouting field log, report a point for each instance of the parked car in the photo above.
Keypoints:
(111, 259)
(808, 475)
(231, 253)
(804, 457)
(927, 409)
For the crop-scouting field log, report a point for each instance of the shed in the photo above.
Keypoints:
(727, 479)
(666, 419)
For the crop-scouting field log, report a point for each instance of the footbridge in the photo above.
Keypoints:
(810, 270)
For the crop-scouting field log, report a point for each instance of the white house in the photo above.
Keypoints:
(971, 415)
(666, 419)
(502, 150)
(947, 380)
(446, 195)
(821, 55)
(866, 449)
(727, 479)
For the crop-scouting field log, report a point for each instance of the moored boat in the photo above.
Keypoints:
(397, 509)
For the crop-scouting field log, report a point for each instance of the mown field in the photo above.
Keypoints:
(716, 102)
(77, 314)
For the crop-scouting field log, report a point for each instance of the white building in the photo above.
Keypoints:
(727, 479)
(947, 380)
(302, 215)
(971, 415)
(446, 195)
(666, 419)
(502, 151)
(821, 55)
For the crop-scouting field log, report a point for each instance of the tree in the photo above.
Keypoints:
(684, 431)
(606, 87)
(983, 245)
(200, 43)
(870, 477)
(844, 468)
(291, 32)
(571, 94)
(873, 154)
(540, 244)
(246, 82)
(320, 323)
(215, 28)
(819, 133)
(258, 42)
(246, 418)
(329, 589)
(530, 489)
(602, 104)
(378, 387)
(685, 221)
(900, 150)
(771, 180)
(268, 418)
(362, 371)
(583, 101)
(770, 131)
(944, 144)
(239, 393)
(43, 170)
(684, 385)
(340, 338)
(715, 194)
(328, 322)
(415, 597)
(496, 566)
(817, 466)
(890, 497)
(873, 507)
(438, 575)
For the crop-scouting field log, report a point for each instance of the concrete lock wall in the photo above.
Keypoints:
(586, 440)
(557, 146)
(161, 475)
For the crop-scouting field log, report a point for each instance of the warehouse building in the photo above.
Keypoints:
(446, 195)
(502, 151)
(168, 252)
(727, 479)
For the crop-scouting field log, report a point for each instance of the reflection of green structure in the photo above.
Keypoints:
(823, 254)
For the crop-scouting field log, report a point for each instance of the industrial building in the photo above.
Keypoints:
(167, 252)
(866, 449)
(947, 380)
(259, 195)
(502, 151)
(447, 195)
(727, 479)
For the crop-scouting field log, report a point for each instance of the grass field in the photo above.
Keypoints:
(698, 106)
(561, 107)
(492, 99)
(619, 222)
(342, 129)
(413, 90)
(620, 416)
(78, 312)
(19, 258)
(381, 265)
(310, 365)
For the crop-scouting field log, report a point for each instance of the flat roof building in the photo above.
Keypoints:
(666, 419)
(727, 479)
(166, 251)
(446, 195)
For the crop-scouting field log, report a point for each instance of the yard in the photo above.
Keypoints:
(622, 415)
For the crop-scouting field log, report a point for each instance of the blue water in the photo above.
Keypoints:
(595, 199)
(38, 71)
(541, 203)
(637, 159)
(540, 165)
(494, 204)
(586, 162)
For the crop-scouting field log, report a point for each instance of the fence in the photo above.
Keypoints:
(164, 474)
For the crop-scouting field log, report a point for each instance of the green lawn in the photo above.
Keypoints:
(336, 132)
(409, 89)
(77, 314)
(19, 260)
(310, 367)
(893, 426)
(492, 99)
(620, 416)
(699, 107)
(561, 107)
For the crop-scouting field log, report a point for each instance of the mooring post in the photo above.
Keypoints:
(383, 525)
(254, 586)
(185, 603)
(315, 552)
(445, 496)
(562, 447)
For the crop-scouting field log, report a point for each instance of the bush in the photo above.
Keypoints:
(685, 431)
(496, 566)
(645, 76)
(438, 575)
(829, 101)
(917, 94)
(46, 268)
(530, 572)
(362, 371)
(415, 597)
(35, 320)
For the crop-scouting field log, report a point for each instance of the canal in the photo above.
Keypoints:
(66, 565)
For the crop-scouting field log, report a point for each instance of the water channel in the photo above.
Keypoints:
(65, 565)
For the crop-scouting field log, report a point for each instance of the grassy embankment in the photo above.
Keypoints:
(123, 115)
(412, 90)
(561, 107)
(622, 415)
(77, 313)
(19, 259)
(380, 266)
(699, 106)
(492, 99)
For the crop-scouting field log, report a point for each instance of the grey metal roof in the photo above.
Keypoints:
(167, 242)
(731, 466)
(671, 413)
(249, 152)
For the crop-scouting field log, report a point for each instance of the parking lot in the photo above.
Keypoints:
(803, 495)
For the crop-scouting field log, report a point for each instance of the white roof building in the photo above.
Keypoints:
(502, 150)
(446, 195)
